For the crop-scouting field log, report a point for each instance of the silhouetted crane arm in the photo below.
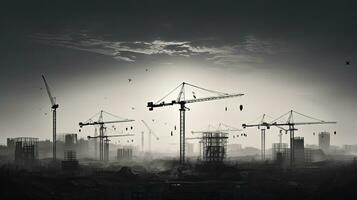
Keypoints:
(151, 105)
(108, 136)
(81, 124)
(285, 124)
(213, 98)
(52, 99)
(300, 123)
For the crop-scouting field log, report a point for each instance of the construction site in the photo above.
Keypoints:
(178, 100)
(207, 164)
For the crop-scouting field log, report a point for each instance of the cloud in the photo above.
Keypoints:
(250, 50)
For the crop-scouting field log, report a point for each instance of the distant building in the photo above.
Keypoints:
(26, 149)
(299, 151)
(278, 148)
(124, 153)
(282, 155)
(324, 141)
(70, 162)
(303, 156)
(314, 155)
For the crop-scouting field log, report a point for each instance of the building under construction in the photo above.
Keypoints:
(278, 150)
(214, 144)
(125, 153)
(70, 162)
(324, 141)
(281, 153)
(26, 149)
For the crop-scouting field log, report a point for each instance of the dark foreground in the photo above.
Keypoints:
(198, 182)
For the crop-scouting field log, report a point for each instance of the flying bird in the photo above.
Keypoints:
(241, 107)
(129, 80)
(348, 62)
(194, 95)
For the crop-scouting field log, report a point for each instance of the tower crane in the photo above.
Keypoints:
(290, 124)
(106, 143)
(101, 123)
(228, 128)
(180, 100)
(54, 107)
(261, 126)
(150, 133)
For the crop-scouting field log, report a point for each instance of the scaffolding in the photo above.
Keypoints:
(70, 147)
(278, 150)
(70, 162)
(282, 154)
(214, 144)
(26, 149)
(124, 153)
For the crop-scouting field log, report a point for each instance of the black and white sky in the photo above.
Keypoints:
(282, 55)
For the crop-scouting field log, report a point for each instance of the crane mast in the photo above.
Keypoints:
(182, 102)
(102, 127)
(150, 133)
(290, 124)
(54, 107)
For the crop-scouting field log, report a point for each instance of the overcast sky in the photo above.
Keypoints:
(282, 55)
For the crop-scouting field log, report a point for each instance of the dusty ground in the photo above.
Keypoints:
(172, 182)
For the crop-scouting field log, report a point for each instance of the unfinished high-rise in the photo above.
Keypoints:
(70, 162)
(26, 149)
(324, 141)
(214, 146)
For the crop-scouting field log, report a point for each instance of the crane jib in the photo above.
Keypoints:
(151, 105)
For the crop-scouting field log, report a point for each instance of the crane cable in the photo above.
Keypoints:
(201, 88)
